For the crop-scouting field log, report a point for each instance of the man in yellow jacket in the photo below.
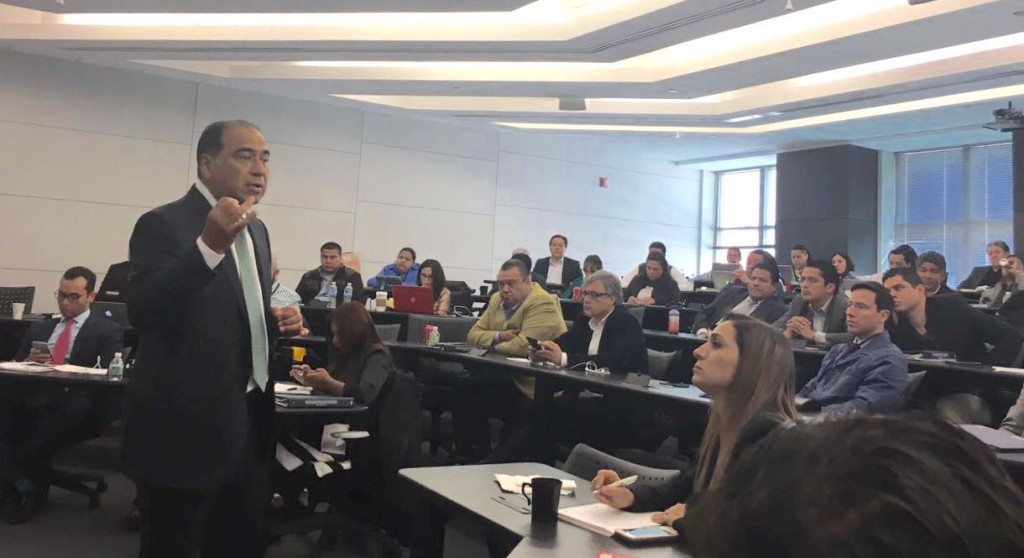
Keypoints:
(520, 309)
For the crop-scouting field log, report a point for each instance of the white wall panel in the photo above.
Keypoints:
(41, 161)
(283, 120)
(454, 239)
(620, 243)
(541, 183)
(597, 151)
(82, 97)
(418, 178)
(297, 233)
(45, 282)
(435, 137)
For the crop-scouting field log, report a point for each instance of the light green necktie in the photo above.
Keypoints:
(253, 307)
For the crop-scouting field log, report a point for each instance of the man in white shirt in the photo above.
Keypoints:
(605, 333)
(558, 269)
(674, 273)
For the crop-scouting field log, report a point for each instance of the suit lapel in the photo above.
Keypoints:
(83, 338)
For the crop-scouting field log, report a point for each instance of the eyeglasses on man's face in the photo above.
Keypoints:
(72, 297)
(593, 294)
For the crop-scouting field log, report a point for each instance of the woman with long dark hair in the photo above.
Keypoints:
(746, 368)
(432, 275)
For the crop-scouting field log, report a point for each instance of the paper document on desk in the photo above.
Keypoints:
(514, 483)
(1008, 370)
(26, 367)
(604, 519)
(287, 387)
(72, 369)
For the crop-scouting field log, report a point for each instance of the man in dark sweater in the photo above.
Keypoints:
(315, 283)
(947, 323)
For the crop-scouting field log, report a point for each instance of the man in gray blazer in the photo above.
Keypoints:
(818, 314)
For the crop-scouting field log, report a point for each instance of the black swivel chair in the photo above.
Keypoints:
(11, 295)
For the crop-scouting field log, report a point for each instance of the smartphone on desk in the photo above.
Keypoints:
(643, 535)
(41, 346)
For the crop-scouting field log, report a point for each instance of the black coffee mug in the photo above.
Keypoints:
(546, 493)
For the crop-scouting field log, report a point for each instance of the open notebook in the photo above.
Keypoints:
(603, 519)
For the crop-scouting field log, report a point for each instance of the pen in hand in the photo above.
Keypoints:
(621, 482)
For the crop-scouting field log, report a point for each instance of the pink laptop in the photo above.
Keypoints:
(413, 300)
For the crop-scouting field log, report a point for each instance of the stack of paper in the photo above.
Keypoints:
(514, 483)
(25, 367)
(603, 519)
(71, 368)
(287, 387)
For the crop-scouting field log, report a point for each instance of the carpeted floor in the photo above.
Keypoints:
(66, 528)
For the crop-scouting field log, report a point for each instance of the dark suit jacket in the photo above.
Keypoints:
(622, 349)
(666, 291)
(186, 411)
(954, 326)
(99, 337)
(116, 277)
(835, 318)
(570, 269)
(977, 278)
(309, 284)
(769, 310)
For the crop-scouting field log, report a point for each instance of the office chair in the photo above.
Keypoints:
(389, 332)
(10, 295)
(658, 363)
(585, 461)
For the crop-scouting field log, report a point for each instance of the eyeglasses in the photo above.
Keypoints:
(73, 297)
(593, 294)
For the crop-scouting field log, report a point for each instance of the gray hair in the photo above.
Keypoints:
(611, 283)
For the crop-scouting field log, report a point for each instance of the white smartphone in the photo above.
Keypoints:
(653, 534)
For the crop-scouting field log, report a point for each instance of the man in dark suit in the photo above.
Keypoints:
(818, 314)
(198, 412)
(37, 421)
(558, 269)
(988, 275)
(755, 299)
(605, 333)
(315, 283)
(866, 375)
(931, 268)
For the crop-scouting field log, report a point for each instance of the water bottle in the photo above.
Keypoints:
(673, 321)
(332, 295)
(116, 367)
(348, 293)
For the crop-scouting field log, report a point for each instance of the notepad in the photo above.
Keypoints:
(26, 367)
(514, 483)
(604, 519)
(71, 368)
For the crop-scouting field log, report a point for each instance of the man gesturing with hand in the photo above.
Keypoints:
(198, 413)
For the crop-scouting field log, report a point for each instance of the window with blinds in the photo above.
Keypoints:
(955, 201)
(745, 215)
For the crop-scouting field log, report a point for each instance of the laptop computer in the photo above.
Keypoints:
(787, 274)
(115, 311)
(721, 278)
(413, 300)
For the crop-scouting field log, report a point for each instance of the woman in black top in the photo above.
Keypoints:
(361, 364)
(663, 289)
(746, 368)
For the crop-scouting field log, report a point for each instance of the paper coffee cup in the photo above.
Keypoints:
(18, 310)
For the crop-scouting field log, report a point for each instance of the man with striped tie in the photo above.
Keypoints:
(198, 438)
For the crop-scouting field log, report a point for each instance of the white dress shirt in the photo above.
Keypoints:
(595, 339)
(76, 324)
(555, 271)
(818, 321)
(746, 306)
(213, 259)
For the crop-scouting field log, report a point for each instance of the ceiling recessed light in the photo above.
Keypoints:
(672, 91)
(744, 118)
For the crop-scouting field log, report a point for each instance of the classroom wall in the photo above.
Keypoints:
(85, 150)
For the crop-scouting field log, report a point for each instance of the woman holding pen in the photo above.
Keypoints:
(746, 368)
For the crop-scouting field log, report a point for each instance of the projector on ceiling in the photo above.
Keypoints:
(1007, 119)
(913, 2)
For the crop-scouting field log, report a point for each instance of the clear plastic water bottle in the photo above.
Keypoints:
(673, 321)
(115, 369)
(332, 295)
(347, 293)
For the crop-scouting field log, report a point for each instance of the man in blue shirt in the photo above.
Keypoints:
(405, 267)
(866, 375)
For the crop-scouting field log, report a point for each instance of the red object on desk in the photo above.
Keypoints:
(606, 554)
